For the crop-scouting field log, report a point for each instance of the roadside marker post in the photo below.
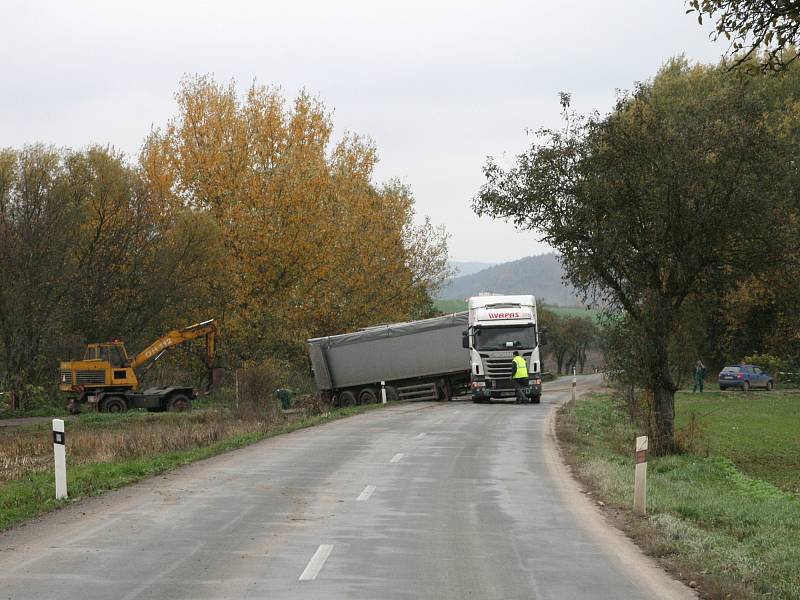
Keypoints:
(60, 454)
(383, 392)
(574, 383)
(640, 478)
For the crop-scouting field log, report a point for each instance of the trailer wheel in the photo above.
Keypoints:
(114, 404)
(368, 396)
(346, 398)
(179, 403)
(392, 395)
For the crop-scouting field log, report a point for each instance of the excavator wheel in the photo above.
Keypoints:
(179, 403)
(114, 404)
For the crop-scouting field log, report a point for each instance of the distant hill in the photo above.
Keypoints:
(468, 268)
(537, 275)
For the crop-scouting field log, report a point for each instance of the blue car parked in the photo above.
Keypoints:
(744, 377)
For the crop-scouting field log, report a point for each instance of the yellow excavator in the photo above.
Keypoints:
(107, 379)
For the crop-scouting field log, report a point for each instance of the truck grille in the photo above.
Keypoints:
(65, 377)
(91, 377)
(502, 384)
(498, 368)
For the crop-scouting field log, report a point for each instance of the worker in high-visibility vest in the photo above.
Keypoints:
(520, 377)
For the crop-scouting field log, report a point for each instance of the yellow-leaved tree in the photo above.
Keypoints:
(311, 245)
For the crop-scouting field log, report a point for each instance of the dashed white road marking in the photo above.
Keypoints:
(317, 561)
(397, 457)
(420, 436)
(438, 421)
(363, 496)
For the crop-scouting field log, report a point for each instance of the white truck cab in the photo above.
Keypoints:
(499, 325)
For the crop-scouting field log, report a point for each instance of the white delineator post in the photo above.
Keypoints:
(383, 392)
(640, 478)
(60, 453)
(574, 383)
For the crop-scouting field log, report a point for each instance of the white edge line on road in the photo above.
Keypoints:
(317, 561)
(420, 436)
(397, 457)
(363, 496)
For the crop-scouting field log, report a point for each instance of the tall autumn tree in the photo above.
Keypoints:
(312, 245)
(669, 194)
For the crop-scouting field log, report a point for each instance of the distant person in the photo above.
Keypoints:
(520, 377)
(699, 376)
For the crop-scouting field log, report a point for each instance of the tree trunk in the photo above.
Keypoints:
(663, 389)
(664, 421)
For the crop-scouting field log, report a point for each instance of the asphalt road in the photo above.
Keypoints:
(449, 500)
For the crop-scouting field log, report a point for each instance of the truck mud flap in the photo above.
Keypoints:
(425, 391)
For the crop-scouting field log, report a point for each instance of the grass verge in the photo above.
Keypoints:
(33, 494)
(735, 535)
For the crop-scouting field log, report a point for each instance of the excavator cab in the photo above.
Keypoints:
(113, 353)
(103, 366)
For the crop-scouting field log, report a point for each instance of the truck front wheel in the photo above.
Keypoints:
(537, 399)
(179, 403)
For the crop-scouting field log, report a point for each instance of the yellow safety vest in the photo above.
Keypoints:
(521, 368)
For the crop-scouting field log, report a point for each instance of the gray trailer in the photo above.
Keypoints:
(419, 360)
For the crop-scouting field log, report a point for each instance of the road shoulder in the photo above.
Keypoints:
(648, 574)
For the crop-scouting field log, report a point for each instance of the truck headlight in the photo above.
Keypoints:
(476, 385)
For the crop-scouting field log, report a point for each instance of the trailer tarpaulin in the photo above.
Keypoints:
(390, 352)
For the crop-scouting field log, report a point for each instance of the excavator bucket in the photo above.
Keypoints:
(214, 379)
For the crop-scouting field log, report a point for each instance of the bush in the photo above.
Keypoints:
(255, 398)
(767, 362)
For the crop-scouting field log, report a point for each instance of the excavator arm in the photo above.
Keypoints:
(142, 362)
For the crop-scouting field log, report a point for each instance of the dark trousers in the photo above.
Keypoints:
(519, 383)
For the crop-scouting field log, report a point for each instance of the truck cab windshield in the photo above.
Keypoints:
(505, 338)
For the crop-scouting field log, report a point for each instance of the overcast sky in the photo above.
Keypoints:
(437, 85)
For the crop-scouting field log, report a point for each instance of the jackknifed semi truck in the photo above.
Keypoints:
(433, 359)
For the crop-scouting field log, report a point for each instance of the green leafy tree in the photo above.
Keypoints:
(37, 213)
(771, 28)
(637, 203)
(88, 254)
